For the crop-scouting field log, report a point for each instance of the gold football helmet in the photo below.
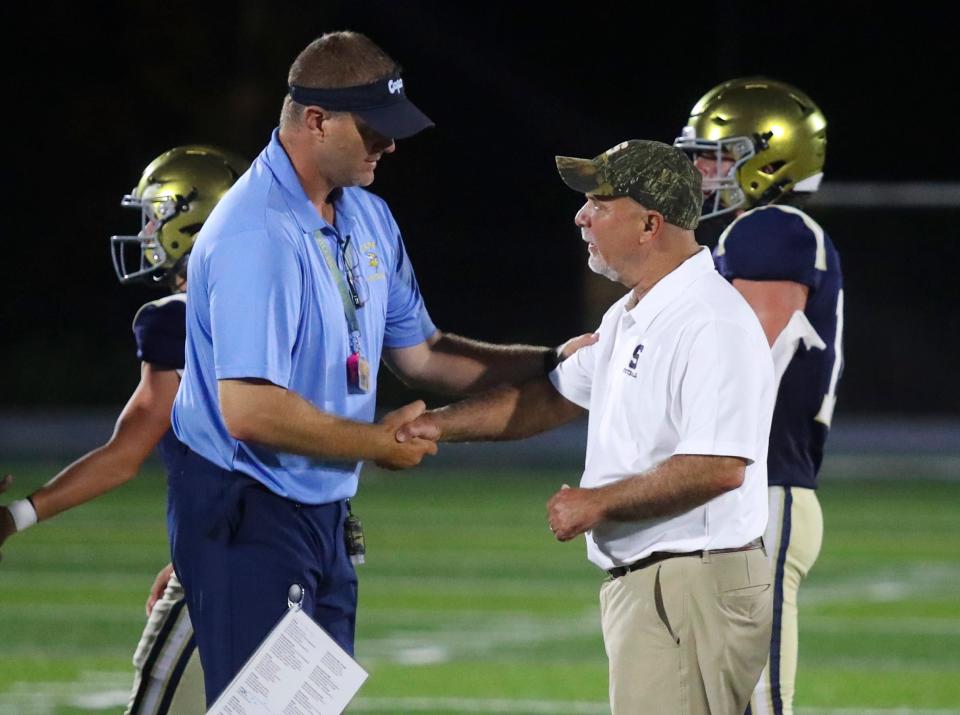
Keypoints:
(175, 195)
(763, 138)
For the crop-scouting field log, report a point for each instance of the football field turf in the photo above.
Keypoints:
(467, 604)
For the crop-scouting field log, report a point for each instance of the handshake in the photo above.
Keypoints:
(410, 433)
(406, 436)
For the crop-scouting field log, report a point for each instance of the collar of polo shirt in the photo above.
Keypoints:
(671, 286)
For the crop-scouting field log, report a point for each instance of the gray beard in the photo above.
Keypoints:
(600, 267)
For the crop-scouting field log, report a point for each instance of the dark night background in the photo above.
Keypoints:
(93, 92)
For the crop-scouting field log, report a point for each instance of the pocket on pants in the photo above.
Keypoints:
(751, 602)
(661, 608)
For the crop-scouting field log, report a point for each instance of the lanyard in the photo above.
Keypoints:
(346, 297)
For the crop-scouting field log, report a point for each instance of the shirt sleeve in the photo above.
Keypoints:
(408, 322)
(255, 284)
(573, 378)
(160, 332)
(722, 388)
(773, 244)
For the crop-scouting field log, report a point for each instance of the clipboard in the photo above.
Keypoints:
(298, 669)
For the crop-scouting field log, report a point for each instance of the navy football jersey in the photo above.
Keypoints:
(160, 329)
(781, 243)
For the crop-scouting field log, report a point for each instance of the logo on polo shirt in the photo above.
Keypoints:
(631, 369)
(369, 249)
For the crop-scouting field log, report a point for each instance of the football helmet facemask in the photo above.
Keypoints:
(175, 195)
(763, 138)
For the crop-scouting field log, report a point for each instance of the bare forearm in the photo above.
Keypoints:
(673, 487)
(141, 425)
(284, 421)
(505, 413)
(96, 473)
(461, 366)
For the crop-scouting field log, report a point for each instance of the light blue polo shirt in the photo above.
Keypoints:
(263, 303)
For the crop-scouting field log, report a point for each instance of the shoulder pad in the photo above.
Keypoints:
(773, 243)
(159, 328)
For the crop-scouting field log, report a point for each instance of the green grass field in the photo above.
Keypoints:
(467, 605)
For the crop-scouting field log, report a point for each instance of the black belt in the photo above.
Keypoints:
(658, 556)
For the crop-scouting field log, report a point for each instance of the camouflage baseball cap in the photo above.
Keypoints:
(654, 174)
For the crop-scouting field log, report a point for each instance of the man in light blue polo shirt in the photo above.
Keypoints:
(300, 285)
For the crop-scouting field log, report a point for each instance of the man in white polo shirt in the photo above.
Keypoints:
(680, 391)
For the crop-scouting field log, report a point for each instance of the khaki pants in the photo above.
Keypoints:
(689, 635)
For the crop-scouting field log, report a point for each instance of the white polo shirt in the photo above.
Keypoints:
(685, 371)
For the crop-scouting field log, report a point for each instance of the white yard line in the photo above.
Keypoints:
(892, 624)
(44, 698)
(453, 640)
(93, 691)
(481, 705)
(885, 585)
(562, 707)
(876, 711)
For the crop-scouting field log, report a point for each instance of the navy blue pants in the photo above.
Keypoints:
(237, 547)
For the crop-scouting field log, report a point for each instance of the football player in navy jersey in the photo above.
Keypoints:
(175, 195)
(760, 146)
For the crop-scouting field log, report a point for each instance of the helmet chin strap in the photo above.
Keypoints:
(176, 276)
(808, 186)
(774, 192)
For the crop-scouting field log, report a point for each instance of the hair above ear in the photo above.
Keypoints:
(314, 117)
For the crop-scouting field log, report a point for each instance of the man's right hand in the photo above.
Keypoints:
(574, 344)
(409, 453)
(7, 525)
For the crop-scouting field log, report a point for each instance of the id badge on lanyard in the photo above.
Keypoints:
(358, 373)
(358, 368)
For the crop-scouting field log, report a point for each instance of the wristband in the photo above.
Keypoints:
(551, 358)
(23, 513)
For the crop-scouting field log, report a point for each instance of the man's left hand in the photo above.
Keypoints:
(572, 512)
(424, 426)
